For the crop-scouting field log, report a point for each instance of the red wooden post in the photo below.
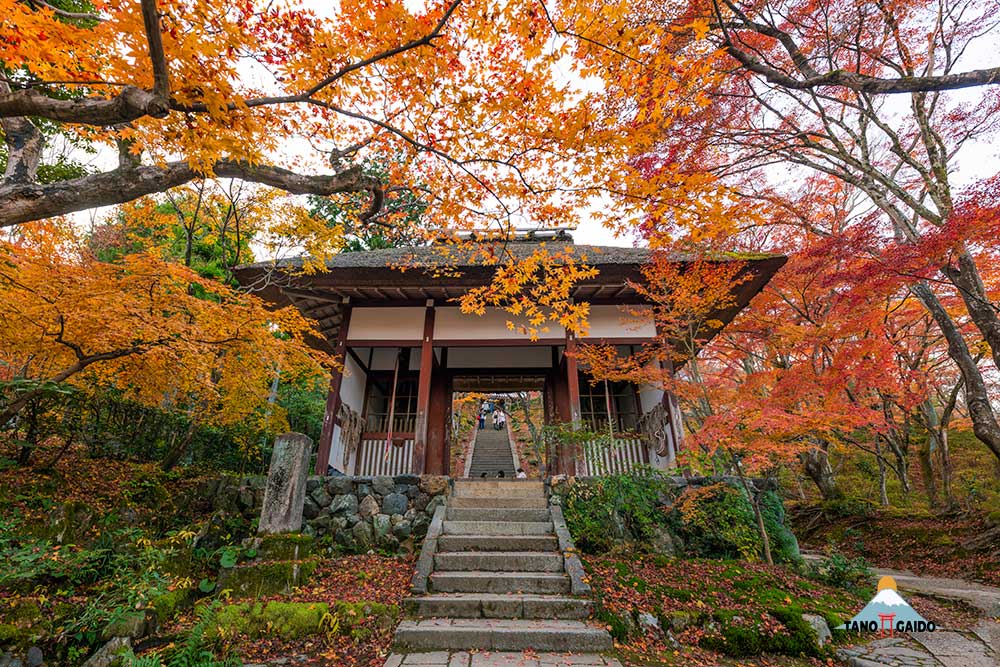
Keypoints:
(333, 397)
(424, 391)
(573, 390)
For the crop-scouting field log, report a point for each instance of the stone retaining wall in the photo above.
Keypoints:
(362, 513)
(359, 513)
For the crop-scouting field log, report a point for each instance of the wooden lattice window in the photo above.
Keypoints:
(596, 408)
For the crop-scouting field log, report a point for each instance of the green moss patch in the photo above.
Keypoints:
(732, 607)
(263, 579)
(295, 620)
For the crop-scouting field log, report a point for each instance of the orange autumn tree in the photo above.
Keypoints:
(462, 99)
(137, 325)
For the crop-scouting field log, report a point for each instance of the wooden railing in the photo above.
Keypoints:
(375, 459)
(621, 456)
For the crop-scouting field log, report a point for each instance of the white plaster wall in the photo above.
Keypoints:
(523, 356)
(649, 396)
(453, 324)
(619, 322)
(386, 324)
(352, 393)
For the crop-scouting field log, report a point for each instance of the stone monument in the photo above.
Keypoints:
(285, 492)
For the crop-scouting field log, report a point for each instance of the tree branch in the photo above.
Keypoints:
(23, 202)
(151, 22)
(128, 105)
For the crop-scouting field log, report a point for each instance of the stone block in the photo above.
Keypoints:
(284, 495)
(381, 527)
(320, 496)
(434, 484)
(394, 503)
(344, 503)
(383, 484)
(337, 486)
(368, 507)
(363, 536)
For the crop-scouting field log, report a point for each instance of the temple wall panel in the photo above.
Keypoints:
(618, 322)
(386, 324)
(352, 394)
(499, 357)
(452, 324)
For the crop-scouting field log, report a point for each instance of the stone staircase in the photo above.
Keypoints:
(491, 453)
(499, 581)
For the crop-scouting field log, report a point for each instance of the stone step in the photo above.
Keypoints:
(499, 582)
(497, 503)
(498, 561)
(493, 605)
(499, 488)
(498, 527)
(498, 543)
(500, 635)
(497, 514)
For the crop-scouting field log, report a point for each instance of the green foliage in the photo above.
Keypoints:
(852, 574)
(48, 411)
(304, 402)
(717, 521)
(784, 546)
(295, 620)
(193, 651)
(111, 427)
(741, 637)
(405, 206)
(614, 507)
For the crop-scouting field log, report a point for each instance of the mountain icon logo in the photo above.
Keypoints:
(888, 613)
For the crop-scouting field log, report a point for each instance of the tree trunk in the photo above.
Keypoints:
(970, 287)
(977, 399)
(924, 455)
(944, 454)
(754, 499)
(177, 452)
(817, 466)
(883, 493)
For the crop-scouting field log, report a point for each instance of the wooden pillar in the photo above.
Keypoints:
(437, 458)
(573, 392)
(333, 396)
(560, 407)
(676, 434)
(424, 392)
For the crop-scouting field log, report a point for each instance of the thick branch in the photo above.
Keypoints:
(130, 104)
(23, 202)
(810, 78)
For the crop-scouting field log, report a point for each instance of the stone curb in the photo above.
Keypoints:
(425, 563)
(574, 568)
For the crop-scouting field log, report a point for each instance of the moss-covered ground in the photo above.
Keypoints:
(733, 608)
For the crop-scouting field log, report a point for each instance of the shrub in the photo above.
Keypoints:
(717, 521)
(612, 508)
(742, 638)
(852, 574)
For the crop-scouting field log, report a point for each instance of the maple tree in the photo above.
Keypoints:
(744, 116)
(136, 324)
(458, 98)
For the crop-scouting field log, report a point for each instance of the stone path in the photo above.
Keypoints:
(945, 647)
(503, 659)
(504, 584)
